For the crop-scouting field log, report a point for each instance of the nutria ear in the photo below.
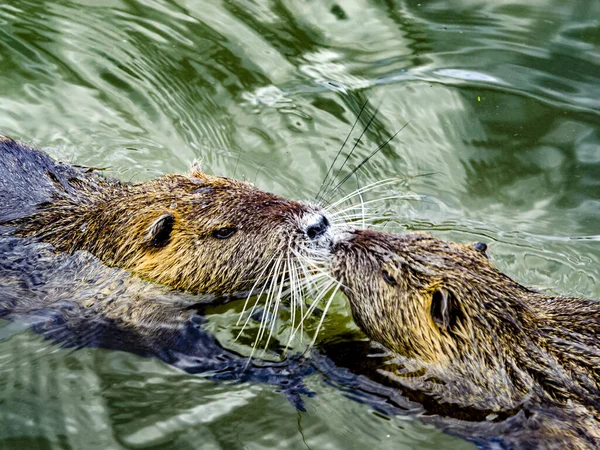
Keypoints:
(445, 310)
(481, 247)
(158, 234)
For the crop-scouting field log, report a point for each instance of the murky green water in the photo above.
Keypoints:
(502, 103)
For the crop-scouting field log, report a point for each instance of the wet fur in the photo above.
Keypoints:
(495, 346)
(124, 224)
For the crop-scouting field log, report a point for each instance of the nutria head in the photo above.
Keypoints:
(444, 304)
(419, 295)
(200, 233)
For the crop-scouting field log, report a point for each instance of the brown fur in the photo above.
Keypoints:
(475, 337)
(122, 224)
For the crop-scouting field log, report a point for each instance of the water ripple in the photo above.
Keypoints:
(502, 102)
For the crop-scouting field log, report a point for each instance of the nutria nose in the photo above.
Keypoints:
(318, 228)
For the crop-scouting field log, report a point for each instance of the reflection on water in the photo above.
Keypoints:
(502, 101)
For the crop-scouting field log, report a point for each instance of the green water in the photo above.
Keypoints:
(502, 101)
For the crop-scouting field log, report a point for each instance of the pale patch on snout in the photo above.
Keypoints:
(317, 228)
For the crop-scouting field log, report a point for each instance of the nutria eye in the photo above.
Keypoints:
(388, 278)
(224, 233)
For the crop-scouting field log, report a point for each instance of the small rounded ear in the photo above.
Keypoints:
(445, 310)
(159, 233)
(481, 247)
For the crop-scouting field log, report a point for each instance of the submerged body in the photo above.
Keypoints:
(75, 301)
(472, 338)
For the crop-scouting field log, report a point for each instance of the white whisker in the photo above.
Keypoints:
(315, 267)
(276, 305)
(363, 190)
(262, 325)
(362, 205)
(292, 276)
(358, 218)
(292, 289)
(327, 305)
(381, 199)
(258, 280)
(313, 305)
(251, 313)
(300, 289)
(324, 273)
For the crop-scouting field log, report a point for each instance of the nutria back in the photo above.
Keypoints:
(474, 337)
(29, 177)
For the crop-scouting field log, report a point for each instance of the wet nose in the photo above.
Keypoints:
(318, 228)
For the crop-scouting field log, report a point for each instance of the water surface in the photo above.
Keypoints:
(501, 101)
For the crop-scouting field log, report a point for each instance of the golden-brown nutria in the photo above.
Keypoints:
(195, 232)
(474, 337)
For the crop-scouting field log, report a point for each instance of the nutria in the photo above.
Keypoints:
(70, 237)
(472, 337)
(197, 232)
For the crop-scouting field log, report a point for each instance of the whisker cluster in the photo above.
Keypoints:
(294, 276)
(301, 273)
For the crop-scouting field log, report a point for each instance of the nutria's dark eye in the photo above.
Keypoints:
(224, 233)
(388, 278)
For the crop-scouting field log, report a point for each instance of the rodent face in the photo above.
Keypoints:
(216, 235)
(412, 293)
(201, 233)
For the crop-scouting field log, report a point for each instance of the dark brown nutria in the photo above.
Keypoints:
(473, 337)
(196, 232)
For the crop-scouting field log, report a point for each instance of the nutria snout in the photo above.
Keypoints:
(487, 341)
(318, 230)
